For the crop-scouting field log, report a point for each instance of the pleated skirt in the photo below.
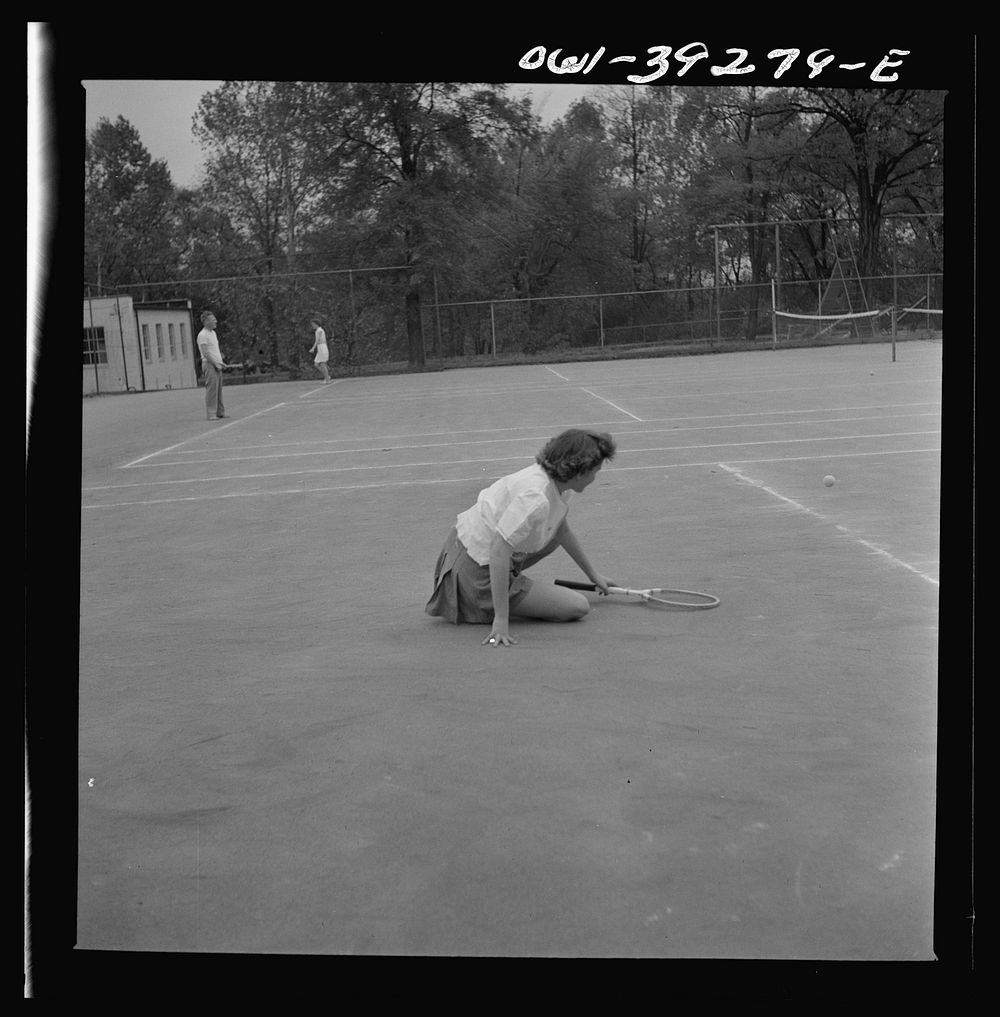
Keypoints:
(462, 593)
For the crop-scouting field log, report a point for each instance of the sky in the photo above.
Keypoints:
(162, 111)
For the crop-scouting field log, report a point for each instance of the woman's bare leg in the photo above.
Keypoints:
(545, 601)
(551, 603)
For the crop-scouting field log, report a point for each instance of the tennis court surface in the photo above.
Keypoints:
(281, 753)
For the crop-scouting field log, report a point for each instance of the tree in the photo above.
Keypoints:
(128, 209)
(876, 147)
(409, 158)
(641, 128)
(558, 214)
(751, 146)
(262, 179)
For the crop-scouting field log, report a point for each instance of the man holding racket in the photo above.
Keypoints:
(515, 523)
(212, 366)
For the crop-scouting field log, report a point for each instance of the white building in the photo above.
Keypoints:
(130, 347)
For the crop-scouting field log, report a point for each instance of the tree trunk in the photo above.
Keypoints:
(414, 327)
(271, 330)
(868, 211)
(757, 265)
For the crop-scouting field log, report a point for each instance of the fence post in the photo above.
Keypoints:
(774, 319)
(718, 298)
(493, 328)
(777, 257)
(354, 314)
(895, 289)
(90, 345)
(437, 318)
(121, 337)
(600, 306)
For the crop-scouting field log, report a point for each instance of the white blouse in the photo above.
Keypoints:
(525, 508)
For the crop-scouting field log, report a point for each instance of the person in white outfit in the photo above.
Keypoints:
(320, 348)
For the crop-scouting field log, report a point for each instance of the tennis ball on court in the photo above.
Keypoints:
(829, 481)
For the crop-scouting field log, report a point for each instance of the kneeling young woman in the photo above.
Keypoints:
(515, 523)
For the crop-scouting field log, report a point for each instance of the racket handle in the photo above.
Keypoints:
(575, 586)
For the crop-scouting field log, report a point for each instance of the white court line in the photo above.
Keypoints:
(818, 515)
(784, 441)
(291, 490)
(551, 429)
(772, 459)
(775, 413)
(556, 373)
(465, 480)
(401, 396)
(496, 441)
(759, 369)
(610, 403)
(730, 393)
(410, 395)
(488, 459)
(305, 473)
(196, 437)
(321, 386)
(648, 380)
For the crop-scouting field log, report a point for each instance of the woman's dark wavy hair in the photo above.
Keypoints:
(575, 451)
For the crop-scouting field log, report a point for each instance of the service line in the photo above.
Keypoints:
(447, 480)
(547, 430)
(241, 454)
(461, 462)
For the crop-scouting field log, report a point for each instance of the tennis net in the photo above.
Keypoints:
(832, 328)
(908, 313)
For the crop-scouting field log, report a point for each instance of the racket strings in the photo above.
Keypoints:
(663, 597)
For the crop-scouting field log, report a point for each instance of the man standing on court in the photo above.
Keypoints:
(212, 366)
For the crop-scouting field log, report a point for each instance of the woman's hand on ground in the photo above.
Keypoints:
(502, 638)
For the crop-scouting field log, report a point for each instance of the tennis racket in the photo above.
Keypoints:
(657, 596)
(232, 367)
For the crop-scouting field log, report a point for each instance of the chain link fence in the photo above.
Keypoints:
(667, 320)
(264, 318)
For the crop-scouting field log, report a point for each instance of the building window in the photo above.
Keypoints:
(172, 340)
(184, 341)
(146, 352)
(159, 343)
(94, 349)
